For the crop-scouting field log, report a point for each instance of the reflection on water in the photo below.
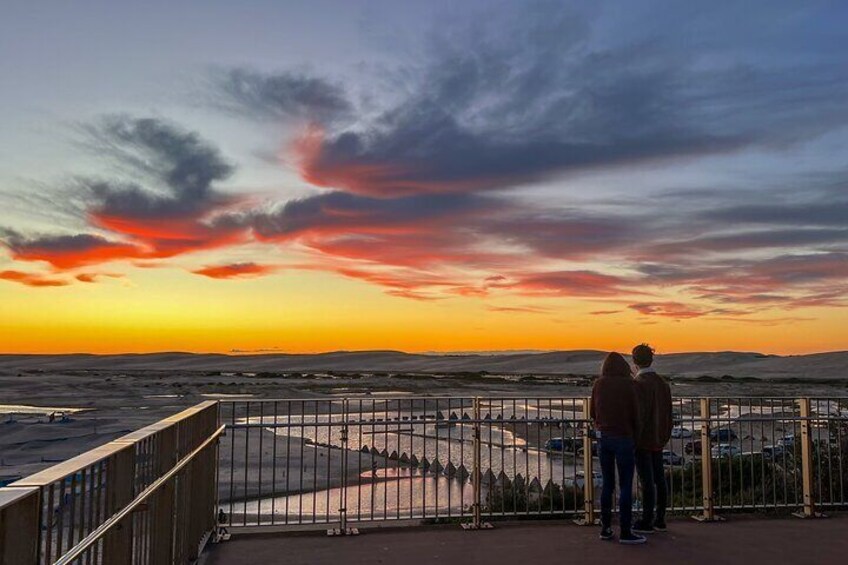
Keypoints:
(444, 441)
(381, 445)
(410, 495)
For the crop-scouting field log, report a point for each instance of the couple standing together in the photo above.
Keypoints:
(633, 420)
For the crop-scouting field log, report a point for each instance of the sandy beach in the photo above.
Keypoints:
(100, 404)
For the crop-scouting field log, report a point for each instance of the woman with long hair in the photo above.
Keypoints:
(615, 412)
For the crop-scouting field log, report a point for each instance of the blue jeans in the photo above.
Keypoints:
(652, 477)
(617, 452)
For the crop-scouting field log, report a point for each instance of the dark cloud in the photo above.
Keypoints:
(181, 167)
(282, 96)
(341, 213)
(69, 251)
(162, 203)
(831, 213)
(748, 240)
(493, 109)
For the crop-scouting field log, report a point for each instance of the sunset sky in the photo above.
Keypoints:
(423, 176)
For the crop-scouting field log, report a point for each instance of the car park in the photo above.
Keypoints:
(724, 450)
(680, 432)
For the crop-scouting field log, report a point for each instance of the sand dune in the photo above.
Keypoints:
(738, 364)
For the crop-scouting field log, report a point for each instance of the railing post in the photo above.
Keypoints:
(476, 473)
(343, 529)
(708, 515)
(162, 536)
(807, 461)
(588, 468)
(19, 525)
(118, 542)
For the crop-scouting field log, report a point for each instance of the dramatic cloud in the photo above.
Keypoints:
(493, 110)
(177, 210)
(176, 214)
(235, 271)
(428, 163)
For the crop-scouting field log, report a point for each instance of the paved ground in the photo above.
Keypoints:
(741, 540)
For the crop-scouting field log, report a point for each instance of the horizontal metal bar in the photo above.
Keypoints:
(89, 458)
(377, 397)
(101, 530)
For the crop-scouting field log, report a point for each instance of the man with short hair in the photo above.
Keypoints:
(654, 396)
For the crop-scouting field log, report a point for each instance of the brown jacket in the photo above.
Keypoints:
(655, 409)
(614, 407)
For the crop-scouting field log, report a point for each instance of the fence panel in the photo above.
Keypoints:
(298, 462)
(78, 498)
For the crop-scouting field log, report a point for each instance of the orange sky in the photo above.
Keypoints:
(173, 310)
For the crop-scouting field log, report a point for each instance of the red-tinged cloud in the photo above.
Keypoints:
(32, 279)
(235, 271)
(95, 277)
(169, 208)
(321, 164)
(71, 251)
(674, 310)
(414, 295)
(585, 284)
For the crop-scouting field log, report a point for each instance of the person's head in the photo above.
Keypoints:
(615, 365)
(643, 355)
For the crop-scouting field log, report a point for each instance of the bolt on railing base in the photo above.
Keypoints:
(808, 516)
(336, 532)
(471, 526)
(707, 519)
(585, 522)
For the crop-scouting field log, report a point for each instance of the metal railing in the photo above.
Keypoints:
(152, 496)
(148, 497)
(332, 462)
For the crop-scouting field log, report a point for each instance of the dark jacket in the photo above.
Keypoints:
(655, 409)
(614, 407)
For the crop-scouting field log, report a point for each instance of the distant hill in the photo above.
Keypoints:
(818, 366)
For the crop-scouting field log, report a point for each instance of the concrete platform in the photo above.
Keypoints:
(741, 540)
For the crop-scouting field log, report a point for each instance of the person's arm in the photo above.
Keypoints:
(592, 413)
(668, 403)
(636, 410)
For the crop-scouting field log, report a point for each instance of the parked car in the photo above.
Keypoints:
(579, 479)
(554, 444)
(692, 447)
(773, 451)
(722, 434)
(724, 450)
(680, 432)
(672, 458)
(787, 441)
(566, 445)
